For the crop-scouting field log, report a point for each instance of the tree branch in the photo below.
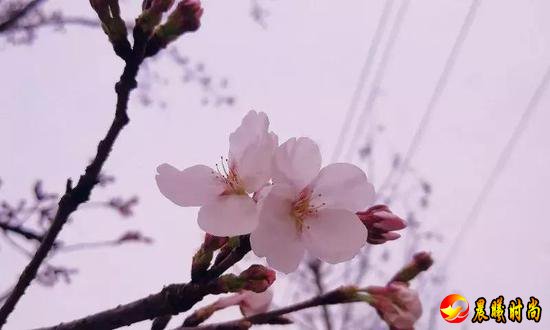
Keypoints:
(171, 300)
(339, 296)
(73, 197)
(17, 15)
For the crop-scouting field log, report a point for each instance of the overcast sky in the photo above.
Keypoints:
(57, 101)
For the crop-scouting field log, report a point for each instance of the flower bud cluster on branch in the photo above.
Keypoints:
(185, 17)
(397, 304)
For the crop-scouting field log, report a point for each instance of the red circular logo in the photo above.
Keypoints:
(454, 308)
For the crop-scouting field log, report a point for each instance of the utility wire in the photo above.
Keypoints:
(440, 86)
(503, 158)
(363, 76)
(374, 91)
(494, 175)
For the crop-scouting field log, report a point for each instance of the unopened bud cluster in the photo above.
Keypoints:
(184, 18)
(152, 14)
(149, 29)
(256, 278)
(422, 261)
(203, 257)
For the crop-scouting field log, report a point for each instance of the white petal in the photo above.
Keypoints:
(194, 186)
(254, 166)
(261, 194)
(296, 162)
(276, 236)
(343, 186)
(253, 127)
(334, 235)
(229, 215)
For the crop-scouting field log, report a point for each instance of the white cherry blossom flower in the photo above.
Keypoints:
(223, 194)
(311, 209)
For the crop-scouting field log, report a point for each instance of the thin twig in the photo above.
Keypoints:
(235, 325)
(17, 15)
(21, 231)
(315, 267)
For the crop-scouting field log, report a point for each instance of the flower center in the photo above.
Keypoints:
(229, 176)
(303, 208)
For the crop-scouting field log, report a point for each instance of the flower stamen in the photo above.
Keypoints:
(303, 208)
(229, 176)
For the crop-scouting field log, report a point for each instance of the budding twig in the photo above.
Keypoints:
(79, 194)
(339, 296)
(344, 295)
(17, 15)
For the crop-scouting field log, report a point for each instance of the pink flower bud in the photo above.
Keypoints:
(423, 260)
(397, 304)
(257, 278)
(186, 17)
(381, 223)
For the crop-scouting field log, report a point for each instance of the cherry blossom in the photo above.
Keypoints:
(223, 194)
(397, 304)
(310, 209)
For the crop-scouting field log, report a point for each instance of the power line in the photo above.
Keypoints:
(373, 94)
(365, 71)
(437, 92)
(503, 158)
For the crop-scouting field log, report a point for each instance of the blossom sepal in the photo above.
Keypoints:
(203, 257)
(422, 261)
(256, 278)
